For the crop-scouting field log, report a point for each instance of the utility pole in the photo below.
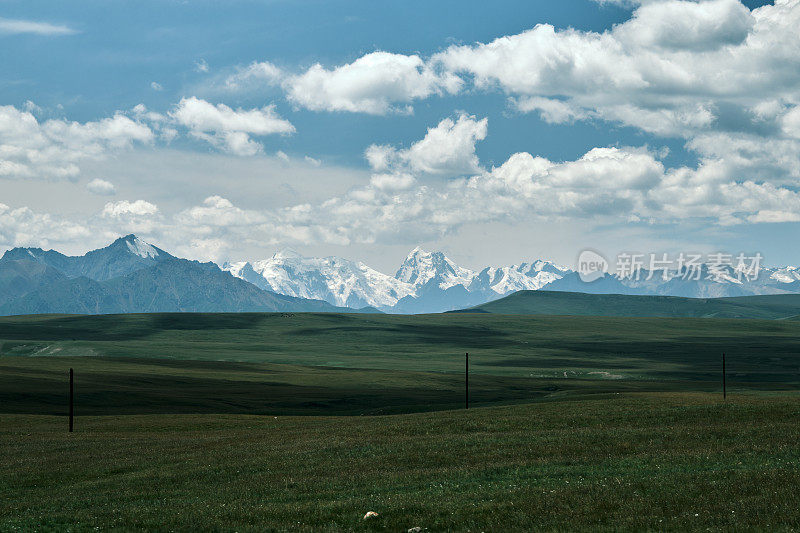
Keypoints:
(71, 399)
(466, 380)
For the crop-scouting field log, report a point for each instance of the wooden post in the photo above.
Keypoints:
(724, 384)
(71, 399)
(466, 381)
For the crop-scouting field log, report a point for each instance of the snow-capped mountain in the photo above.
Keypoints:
(789, 274)
(526, 276)
(338, 281)
(428, 282)
(425, 282)
(421, 267)
(131, 275)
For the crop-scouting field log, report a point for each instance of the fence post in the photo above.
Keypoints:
(724, 384)
(71, 399)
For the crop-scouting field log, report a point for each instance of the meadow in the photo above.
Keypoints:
(307, 421)
(636, 461)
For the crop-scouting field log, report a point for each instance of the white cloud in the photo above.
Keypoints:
(604, 186)
(217, 211)
(123, 217)
(54, 148)
(200, 65)
(675, 68)
(790, 122)
(312, 161)
(156, 86)
(553, 111)
(607, 185)
(125, 208)
(374, 83)
(748, 156)
(254, 74)
(392, 182)
(678, 24)
(448, 149)
(228, 128)
(17, 26)
(25, 227)
(101, 187)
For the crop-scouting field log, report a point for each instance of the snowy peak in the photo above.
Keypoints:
(286, 254)
(421, 267)
(788, 274)
(525, 276)
(431, 282)
(338, 281)
(138, 247)
(132, 245)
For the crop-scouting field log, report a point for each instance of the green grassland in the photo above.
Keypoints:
(599, 348)
(655, 461)
(190, 422)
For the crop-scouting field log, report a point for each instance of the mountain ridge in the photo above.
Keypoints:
(425, 282)
(130, 276)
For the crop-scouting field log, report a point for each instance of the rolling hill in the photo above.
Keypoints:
(779, 306)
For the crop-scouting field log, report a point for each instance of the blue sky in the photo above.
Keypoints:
(210, 160)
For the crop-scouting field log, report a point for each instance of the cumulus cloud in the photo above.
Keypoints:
(123, 217)
(200, 65)
(101, 187)
(54, 148)
(682, 25)
(227, 128)
(312, 161)
(18, 26)
(790, 122)
(125, 208)
(605, 185)
(217, 211)
(255, 74)
(448, 149)
(552, 110)
(675, 68)
(377, 83)
(25, 227)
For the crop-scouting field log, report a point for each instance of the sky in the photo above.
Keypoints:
(496, 132)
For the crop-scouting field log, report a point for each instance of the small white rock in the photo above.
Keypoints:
(370, 514)
(416, 529)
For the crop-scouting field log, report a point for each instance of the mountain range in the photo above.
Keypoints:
(428, 282)
(131, 275)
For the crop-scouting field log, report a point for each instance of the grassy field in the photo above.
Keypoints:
(650, 461)
(689, 350)
(190, 422)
